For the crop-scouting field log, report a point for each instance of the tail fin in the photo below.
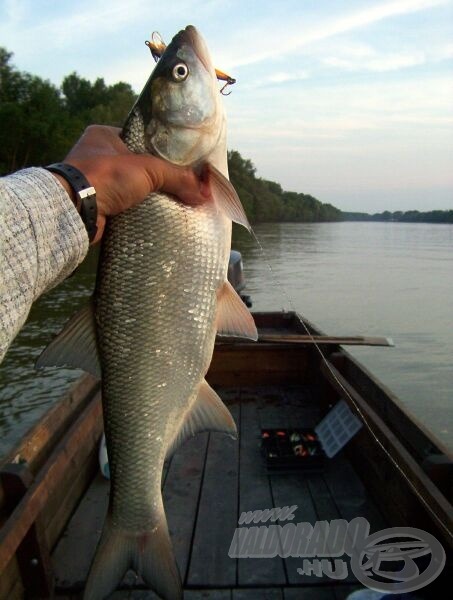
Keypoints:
(149, 553)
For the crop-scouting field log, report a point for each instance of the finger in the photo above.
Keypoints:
(179, 181)
(102, 130)
(99, 140)
(100, 224)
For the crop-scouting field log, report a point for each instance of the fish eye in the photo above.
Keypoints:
(180, 72)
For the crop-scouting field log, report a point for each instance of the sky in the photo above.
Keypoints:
(350, 101)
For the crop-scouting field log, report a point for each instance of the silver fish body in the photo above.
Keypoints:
(155, 310)
(161, 297)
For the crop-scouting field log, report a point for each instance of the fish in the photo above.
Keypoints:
(160, 299)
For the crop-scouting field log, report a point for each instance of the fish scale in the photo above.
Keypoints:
(150, 334)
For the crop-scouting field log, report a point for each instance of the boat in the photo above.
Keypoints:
(392, 473)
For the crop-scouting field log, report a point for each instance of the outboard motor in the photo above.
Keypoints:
(236, 276)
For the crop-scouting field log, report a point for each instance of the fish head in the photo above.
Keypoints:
(183, 117)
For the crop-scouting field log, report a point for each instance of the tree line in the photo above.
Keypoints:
(40, 122)
(266, 201)
(409, 216)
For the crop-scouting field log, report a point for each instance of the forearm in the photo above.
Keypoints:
(42, 240)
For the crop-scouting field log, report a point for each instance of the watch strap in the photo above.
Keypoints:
(84, 193)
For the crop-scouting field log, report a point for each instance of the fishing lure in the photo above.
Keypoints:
(157, 47)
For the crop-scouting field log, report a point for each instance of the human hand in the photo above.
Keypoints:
(123, 179)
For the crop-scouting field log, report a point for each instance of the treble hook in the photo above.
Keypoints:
(224, 77)
(156, 45)
(229, 81)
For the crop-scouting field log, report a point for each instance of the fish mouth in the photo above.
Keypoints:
(192, 38)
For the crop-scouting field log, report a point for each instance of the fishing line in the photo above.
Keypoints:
(346, 392)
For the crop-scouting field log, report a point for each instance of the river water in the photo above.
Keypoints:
(389, 279)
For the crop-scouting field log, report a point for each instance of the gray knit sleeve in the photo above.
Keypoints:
(42, 240)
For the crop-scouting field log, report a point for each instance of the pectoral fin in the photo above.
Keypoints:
(208, 413)
(226, 198)
(75, 346)
(233, 317)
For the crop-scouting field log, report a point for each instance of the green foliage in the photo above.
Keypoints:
(410, 216)
(40, 122)
(35, 125)
(265, 201)
(96, 102)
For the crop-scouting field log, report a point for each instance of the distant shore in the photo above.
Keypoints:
(411, 216)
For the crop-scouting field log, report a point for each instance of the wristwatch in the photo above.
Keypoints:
(84, 192)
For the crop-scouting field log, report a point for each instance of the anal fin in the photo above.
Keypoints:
(208, 413)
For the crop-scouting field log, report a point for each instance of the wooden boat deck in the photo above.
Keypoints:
(207, 484)
(53, 500)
